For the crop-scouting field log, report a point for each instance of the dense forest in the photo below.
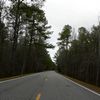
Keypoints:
(24, 32)
(79, 55)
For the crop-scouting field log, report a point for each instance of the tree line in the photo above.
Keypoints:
(79, 56)
(24, 31)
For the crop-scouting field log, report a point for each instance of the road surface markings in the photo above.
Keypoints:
(46, 79)
(38, 96)
(18, 78)
(83, 87)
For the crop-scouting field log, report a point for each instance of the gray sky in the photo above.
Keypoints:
(76, 13)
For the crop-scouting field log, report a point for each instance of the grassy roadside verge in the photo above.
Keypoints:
(89, 86)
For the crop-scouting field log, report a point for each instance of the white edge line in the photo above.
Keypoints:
(64, 77)
(83, 87)
(20, 77)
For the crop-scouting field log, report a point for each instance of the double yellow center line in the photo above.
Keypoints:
(38, 96)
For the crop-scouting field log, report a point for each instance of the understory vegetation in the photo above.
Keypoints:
(79, 56)
(24, 32)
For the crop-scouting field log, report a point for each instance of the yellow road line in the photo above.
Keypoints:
(46, 78)
(38, 96)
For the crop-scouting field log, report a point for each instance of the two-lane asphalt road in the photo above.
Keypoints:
(44, 86)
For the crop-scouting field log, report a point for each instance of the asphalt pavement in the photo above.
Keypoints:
(44, 86)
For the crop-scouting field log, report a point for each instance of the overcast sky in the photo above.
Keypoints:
(76, 13)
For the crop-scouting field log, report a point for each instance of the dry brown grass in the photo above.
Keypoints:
(92, 87)
(14, 77)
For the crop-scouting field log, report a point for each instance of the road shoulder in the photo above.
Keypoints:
(89, 86)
